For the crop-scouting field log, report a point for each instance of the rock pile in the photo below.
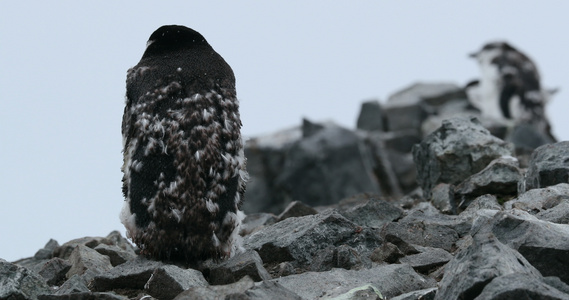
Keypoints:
(395, 210)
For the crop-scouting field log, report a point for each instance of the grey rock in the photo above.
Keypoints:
(371, 116)
(256, 221)
(269, 290)
(116, 254)
(296, 209)
(419, 233)
(392, 280)
(75, 284)
(473, 268)
(482, 202)
(283, 269)
(501, 178)
(382, 167)
(528, 137)
(342, 256)
(557, 283)
(426, 294)
(133, 274)
(519, 286)
(537, 200)
(427, 260)
(557, 214)
(325, 168)
(366, 292)
(215, 292)
(47, 251)
(88, 262)
(64, 251)
(168, 281)
(544, 244)
(458, 149)
(310, 128)
(17, 282)
(248, 263)
(84, 296)
(54, 271)
(372, 212)
(387, 252)
(299, 239)
(442, 197)
(549, 165)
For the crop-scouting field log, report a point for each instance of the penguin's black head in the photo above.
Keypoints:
(172, 38)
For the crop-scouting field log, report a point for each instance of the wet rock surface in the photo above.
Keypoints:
(414, 204)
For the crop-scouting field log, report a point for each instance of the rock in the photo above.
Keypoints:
(544, 244)
(549, 165)
(467, 274)
(426, 294)
(64, 251)
(268, 290)
(326, 167)
(299, 239)
(156, 278)
(310, 128)
(296, 209)
(244, 264)
(371, 116)
(373, 212)
(88, 262)
(342, 256)
(427, 260)
(256, 221)
(73, 285)
(54, 271)
(168, 281)
(116, 254)
(419, 233)
(17, 282)
(442, 197)
(214, 292)
(500, 178)
(391, 280)
(458, 149)
(84, 296)
(387, 252)
(366, 292)
(482, 202)
(381, 165)
(527, 137)
(520, 286)
(557, 214)
(537, 200)
(47, 251)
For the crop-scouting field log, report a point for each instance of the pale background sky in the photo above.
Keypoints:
(63, 68)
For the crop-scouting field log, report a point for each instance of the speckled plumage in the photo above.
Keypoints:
(184, 167)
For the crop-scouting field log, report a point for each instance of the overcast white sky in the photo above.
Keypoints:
(63, 68)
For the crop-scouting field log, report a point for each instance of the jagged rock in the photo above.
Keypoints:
(248, 263)
(215, 292)
(544, 244)
(326, 167)
(408, 108)
(501, 178)
(299, 239)
(372, 212)
(47, 251)
(482, 202)
(381, 165)
(64, 251)
(296, 209)
(371, 116)
(256, 221)
(549, 165)
(138, 274)
(473, 268)
(84, 296)
(88, 262)
(366, 292)
(116, 239)
(17, 282)
(557, 283)
(342, 256)
(387, 252)
(458, 149)
(520, 286)
(283, 269)
(54, 271)
(442, 197)
(116, 254)
(391, 280)
(168, 281)
(268, 290)
(426, 294)
(419, 232)
(427, 260)
(557, 214)
(537, 200)
(75, 284)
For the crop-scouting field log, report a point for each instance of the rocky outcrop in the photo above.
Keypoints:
(412, 205)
